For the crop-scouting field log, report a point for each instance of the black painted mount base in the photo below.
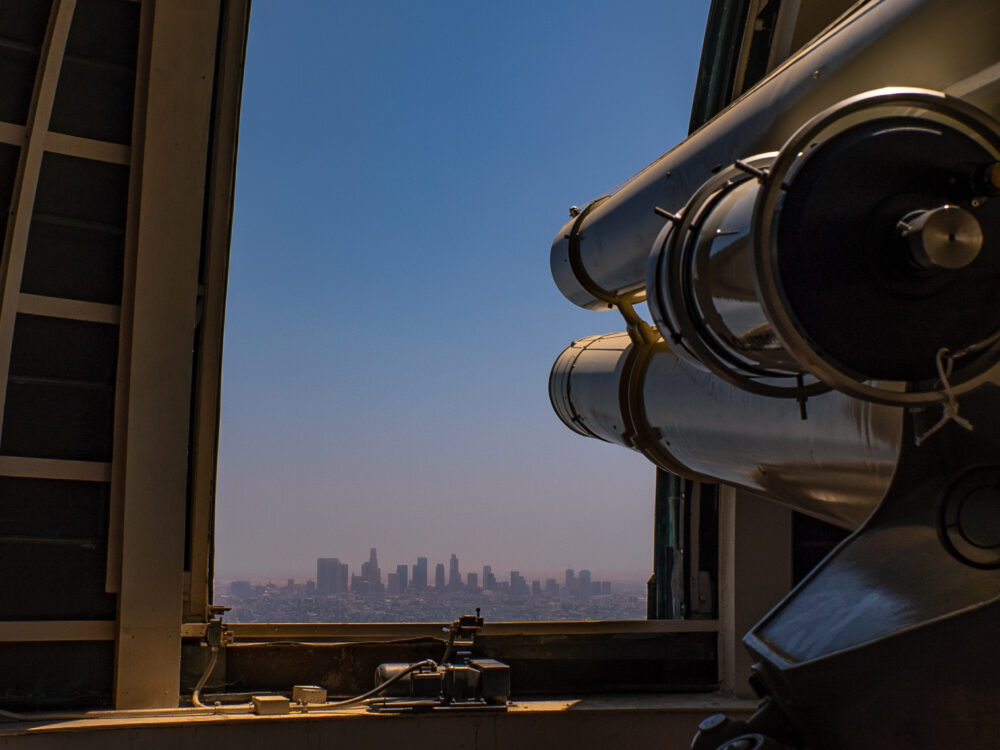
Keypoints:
(891, 641)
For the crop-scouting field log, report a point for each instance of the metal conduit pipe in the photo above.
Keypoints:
(835, 465)
(599, 258)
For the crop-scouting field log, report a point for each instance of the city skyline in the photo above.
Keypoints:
(369, 570)
(338, 595)
(391, 318)
(333, 577)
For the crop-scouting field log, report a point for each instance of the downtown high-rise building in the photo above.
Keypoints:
(331, 576)
(420, 574)
(371, 572)
(392, 584)
(518, 584)
(489, 580)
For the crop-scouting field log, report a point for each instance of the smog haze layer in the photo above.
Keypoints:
(391, 316)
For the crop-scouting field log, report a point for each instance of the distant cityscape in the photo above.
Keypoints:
(406, 595)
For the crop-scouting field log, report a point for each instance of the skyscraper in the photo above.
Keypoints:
(439, 576)
(401, 575)
(472, 581)
(454, 577)
(360, 585)
(420, 574)
(489, 580)
(370, 571)
(326, 569)
(518, 585)
(584, 583)
(331, 576)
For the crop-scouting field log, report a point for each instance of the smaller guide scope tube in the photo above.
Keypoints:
(836, 465)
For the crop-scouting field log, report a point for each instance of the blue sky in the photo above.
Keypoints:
(391, 318)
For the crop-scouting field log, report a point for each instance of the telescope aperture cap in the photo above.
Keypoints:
(855, 296)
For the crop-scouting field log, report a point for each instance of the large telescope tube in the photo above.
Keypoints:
(836, 465)
(599, 257)
(863, 250)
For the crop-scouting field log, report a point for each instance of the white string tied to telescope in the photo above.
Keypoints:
(950, 411)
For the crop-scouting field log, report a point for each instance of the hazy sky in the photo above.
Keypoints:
(391, 320)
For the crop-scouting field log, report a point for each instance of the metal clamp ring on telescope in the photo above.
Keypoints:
(674, 307)
(579, 268)
(641, 434)
(569, 415)
(852, 112)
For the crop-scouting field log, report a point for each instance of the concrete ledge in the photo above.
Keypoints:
(660, 722)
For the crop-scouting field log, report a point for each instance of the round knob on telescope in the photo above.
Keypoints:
(947, 237)
(968, 517)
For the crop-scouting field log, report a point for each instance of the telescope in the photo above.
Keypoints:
(821, 263)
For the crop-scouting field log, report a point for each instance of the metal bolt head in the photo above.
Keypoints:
(713, 722)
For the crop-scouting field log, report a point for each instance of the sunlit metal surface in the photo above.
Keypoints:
(829, 262)
(945, 45)
(871, 217)
(824, 270)
(700, 283)
(947, 237)
(835, 465)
